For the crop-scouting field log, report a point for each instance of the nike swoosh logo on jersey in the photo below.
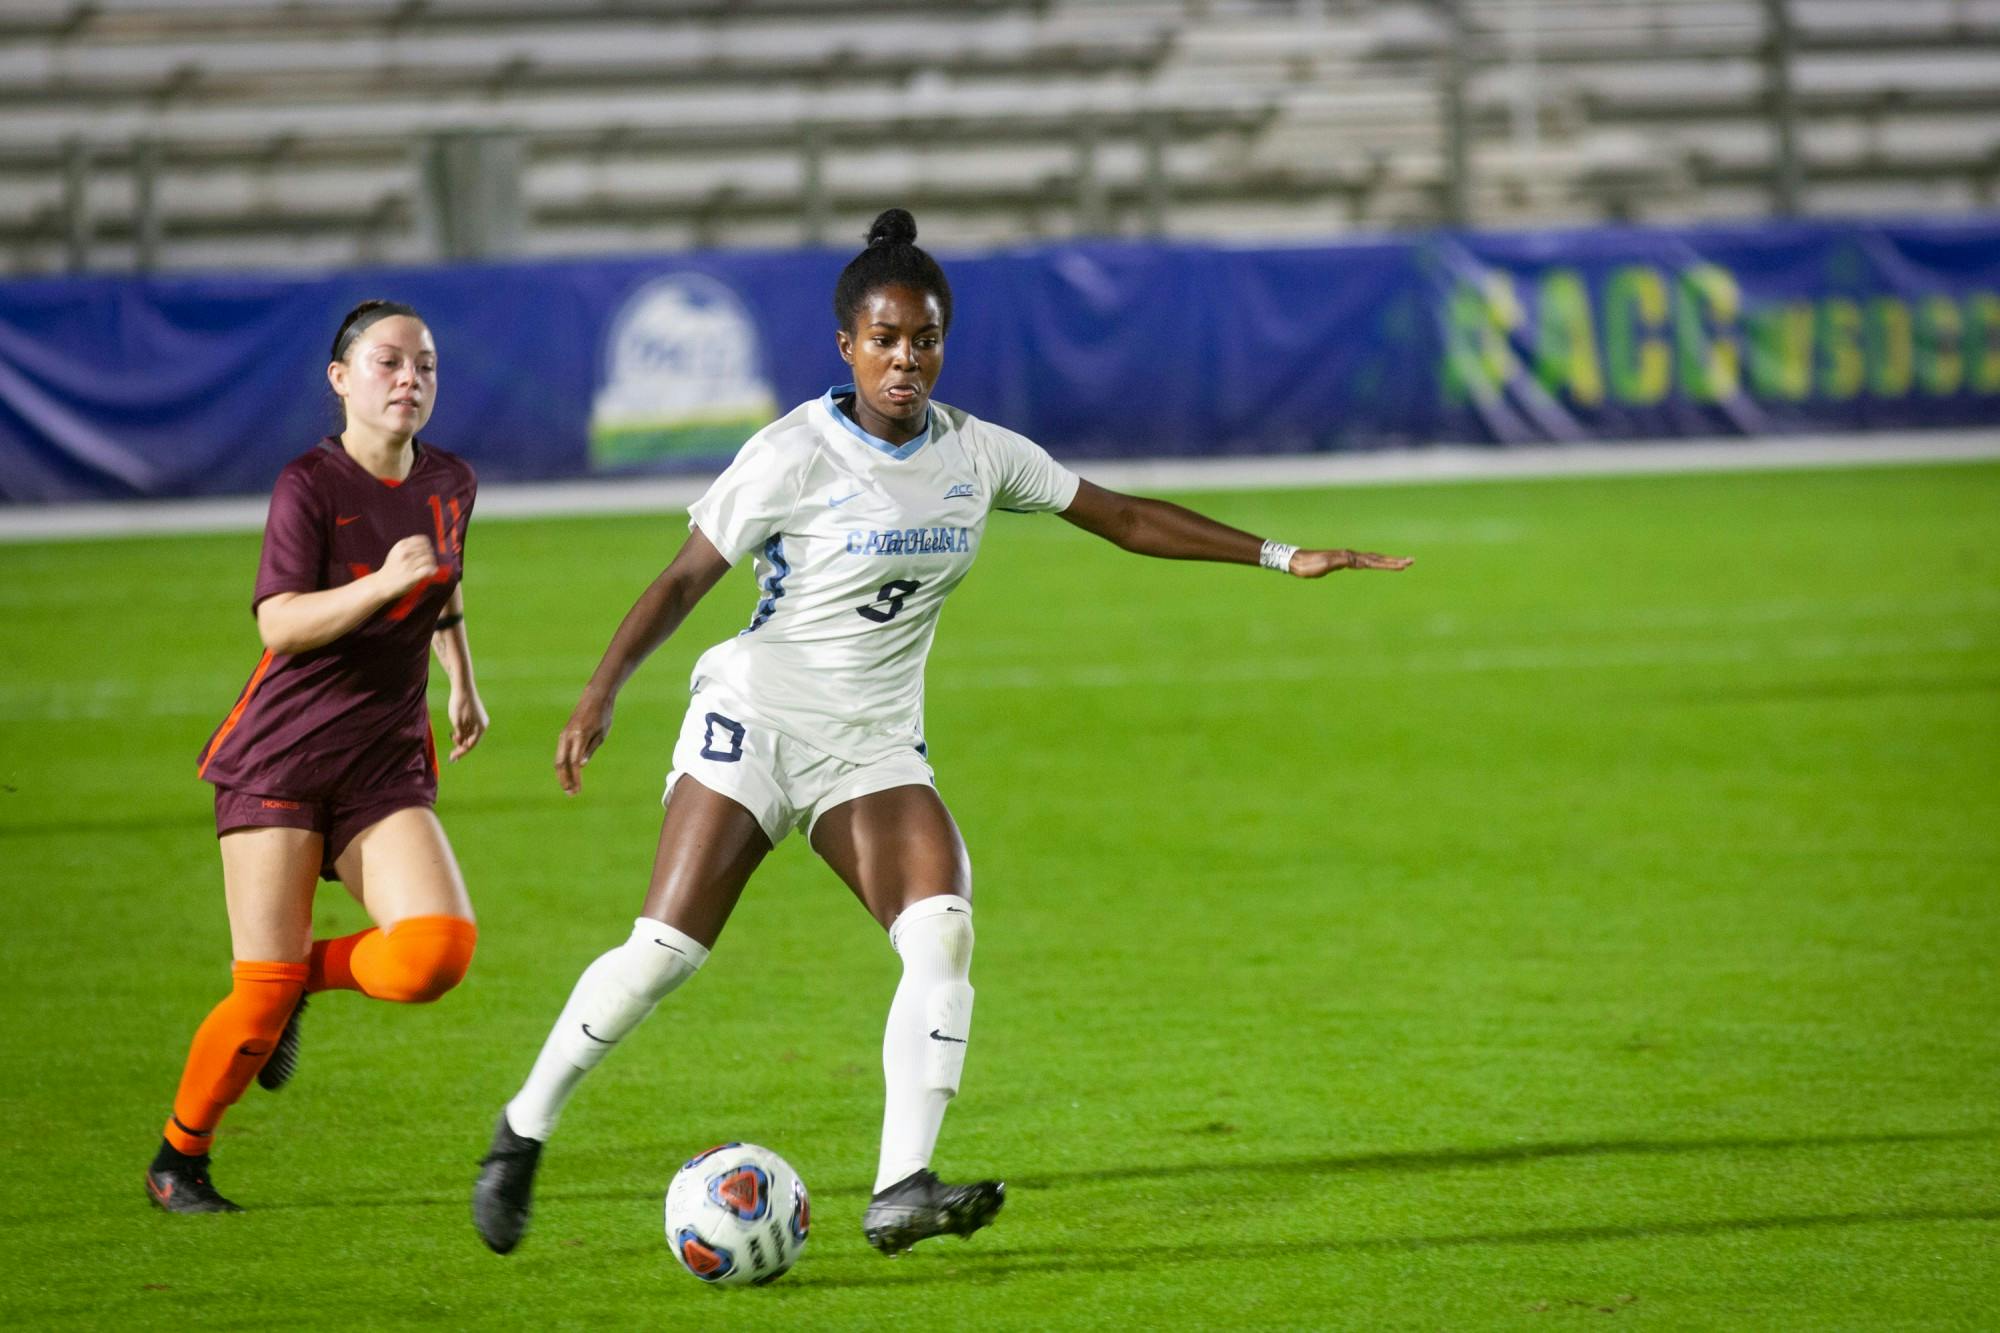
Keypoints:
(343, 522)
(601, 1041)
(664, 945)
(832, 503)
(939, 1036)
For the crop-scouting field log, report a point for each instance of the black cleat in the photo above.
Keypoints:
(502, 1197)
(177, 1183)
(920, 1206)
(284, 1058)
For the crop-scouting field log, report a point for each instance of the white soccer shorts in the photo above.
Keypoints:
(782, 781)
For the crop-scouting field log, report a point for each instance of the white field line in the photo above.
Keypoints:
(112, 698)
(1442, 463)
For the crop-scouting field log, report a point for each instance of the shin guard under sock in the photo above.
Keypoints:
(612, 997)
(924, 1041)
(229, 1048)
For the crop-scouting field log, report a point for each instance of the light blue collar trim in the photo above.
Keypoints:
(895, 451)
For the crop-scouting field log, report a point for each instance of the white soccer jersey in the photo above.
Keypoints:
(857, 545)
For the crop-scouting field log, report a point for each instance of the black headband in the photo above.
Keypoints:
(362, 320)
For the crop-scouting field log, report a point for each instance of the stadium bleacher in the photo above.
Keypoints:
(185, 133)
(1671, 104)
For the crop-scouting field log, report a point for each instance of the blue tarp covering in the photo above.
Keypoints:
(119, 386)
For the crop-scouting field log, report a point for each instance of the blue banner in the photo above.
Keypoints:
(171, 386)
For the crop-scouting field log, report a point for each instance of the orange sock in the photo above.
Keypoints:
(230, 1047)
(413, 962)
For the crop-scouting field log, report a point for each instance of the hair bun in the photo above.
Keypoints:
(893, 226)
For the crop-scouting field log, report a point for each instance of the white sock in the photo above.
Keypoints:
(612, 997)
(923, 1046)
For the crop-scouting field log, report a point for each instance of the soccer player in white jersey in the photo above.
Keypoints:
(861, 510)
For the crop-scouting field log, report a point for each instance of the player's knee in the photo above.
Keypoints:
(655, 959)
(426, 957)
(935, 932)
(262, 997)
(954, 943)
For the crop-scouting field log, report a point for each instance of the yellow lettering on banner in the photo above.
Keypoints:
(1843, 370)
(1983, 341)
(1504, 319)
(1635, 304)
(1891, 347)
(1940, 358)
(1781, 349)
(1566, 339)
(1704, 317)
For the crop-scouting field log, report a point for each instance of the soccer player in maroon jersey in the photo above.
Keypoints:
(326, 766)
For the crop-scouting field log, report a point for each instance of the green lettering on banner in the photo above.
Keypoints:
(1781, 350)
(1479, 359)
(1465, 315)
(1566, 339)
(1982, 341)
(1940, 352)
(1703, 318)
(1890, 347)
(1843, 369)
(1635, 310)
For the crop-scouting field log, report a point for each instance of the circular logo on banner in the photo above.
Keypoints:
(684, 375)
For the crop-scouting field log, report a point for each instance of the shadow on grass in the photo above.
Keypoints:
(1440, 1159)
(203, 820)
(993, 1265)
(463, 1199)
(1816, 691)
(1445, 1159)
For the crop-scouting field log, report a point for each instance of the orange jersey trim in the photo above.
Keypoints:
(236, 713)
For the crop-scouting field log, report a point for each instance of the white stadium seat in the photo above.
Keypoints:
(172, 131)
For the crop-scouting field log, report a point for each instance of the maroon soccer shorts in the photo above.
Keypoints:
(337, 819)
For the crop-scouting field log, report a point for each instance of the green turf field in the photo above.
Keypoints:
(1597, 922)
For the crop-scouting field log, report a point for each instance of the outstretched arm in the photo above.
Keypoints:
(1171, 532)
(657, 614)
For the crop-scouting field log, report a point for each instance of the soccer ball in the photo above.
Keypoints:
(737, 1213)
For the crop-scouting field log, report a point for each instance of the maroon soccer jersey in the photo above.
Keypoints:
(351, 714)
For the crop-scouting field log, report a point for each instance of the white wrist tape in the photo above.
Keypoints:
(1278, 556)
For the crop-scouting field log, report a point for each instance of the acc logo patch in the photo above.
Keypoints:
(683, 375)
